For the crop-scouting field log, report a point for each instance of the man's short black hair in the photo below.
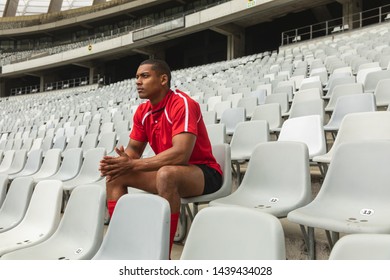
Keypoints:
(160, 66)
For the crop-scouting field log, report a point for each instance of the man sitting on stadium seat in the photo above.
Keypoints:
(172, 123)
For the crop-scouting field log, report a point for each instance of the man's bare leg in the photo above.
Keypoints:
(170, 182)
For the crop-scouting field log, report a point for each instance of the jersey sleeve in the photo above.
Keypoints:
(138, 130)
(185, 116)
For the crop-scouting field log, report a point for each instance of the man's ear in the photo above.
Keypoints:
(164, 79)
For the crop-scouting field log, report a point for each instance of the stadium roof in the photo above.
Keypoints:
(34, 7)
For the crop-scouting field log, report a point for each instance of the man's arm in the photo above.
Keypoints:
(135, 149)
(178, 154)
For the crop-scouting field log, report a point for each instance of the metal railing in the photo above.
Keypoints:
(334, 26)
(64, 84)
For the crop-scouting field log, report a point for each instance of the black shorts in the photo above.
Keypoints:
(212, 179)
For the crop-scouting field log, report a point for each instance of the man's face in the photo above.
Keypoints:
(150, 84)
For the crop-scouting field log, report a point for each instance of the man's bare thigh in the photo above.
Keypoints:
(189, 180)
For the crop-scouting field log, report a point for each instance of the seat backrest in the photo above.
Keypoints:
(234, 233)
(37, 144)
(364, 102)
(335, 75)
(360, 184)
(249, 103)
(260, 94)
(47, 143)
(90, 165)
(211, 101)
(220, 107)
(362, 74)
(44, 210)
(74, 141)
(18, 162)
(209, 117)
(216, 133)
(307, 94)
(281, 98)
(107, 141)
(267, 87)
(18, 143)
(3, 188)
(7, 160)
(107, 127)
(339, 81)
(90, 141)
(123, 139)
(27, 143)
(233, 98)
(362, 246)
(307, 108)
(81, 130)
(16, 201)
(224, 92)
(70, 165)
(231, 117)
(314, 84)
(69, 132)
(247, 135)
(373, 78)
(50, 164)
(122, 126)
(382, 93)
(3, 143)
(342, 90)
(362, 126)
(94, 127)
(59, 143)
(59, 133)
(138, 230)
(33, 162)
(83, 220)
(306, 129)
(270, 112)
(281, 170)
(9, 144)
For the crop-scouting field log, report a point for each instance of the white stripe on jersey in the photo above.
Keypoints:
(146, 115)
(186, 110)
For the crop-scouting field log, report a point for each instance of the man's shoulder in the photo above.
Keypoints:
(181, 96)
(143, 107)
(145, 104)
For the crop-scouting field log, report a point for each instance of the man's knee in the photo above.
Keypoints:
(116, 183)
(166, 178)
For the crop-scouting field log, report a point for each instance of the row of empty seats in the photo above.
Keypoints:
(277, 179)
(273, 187)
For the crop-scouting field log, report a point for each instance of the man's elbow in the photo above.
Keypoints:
(182, 159)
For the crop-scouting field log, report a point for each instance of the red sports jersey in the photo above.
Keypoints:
(176, 113)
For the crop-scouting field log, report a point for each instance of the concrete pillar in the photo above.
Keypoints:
(351, 7)
(92, 72)
(46, 78)
(11, 7)
(42, 84)
(55, 6)
(2, 89)
(235, 39)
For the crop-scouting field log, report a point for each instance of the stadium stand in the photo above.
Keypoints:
(62, 120)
